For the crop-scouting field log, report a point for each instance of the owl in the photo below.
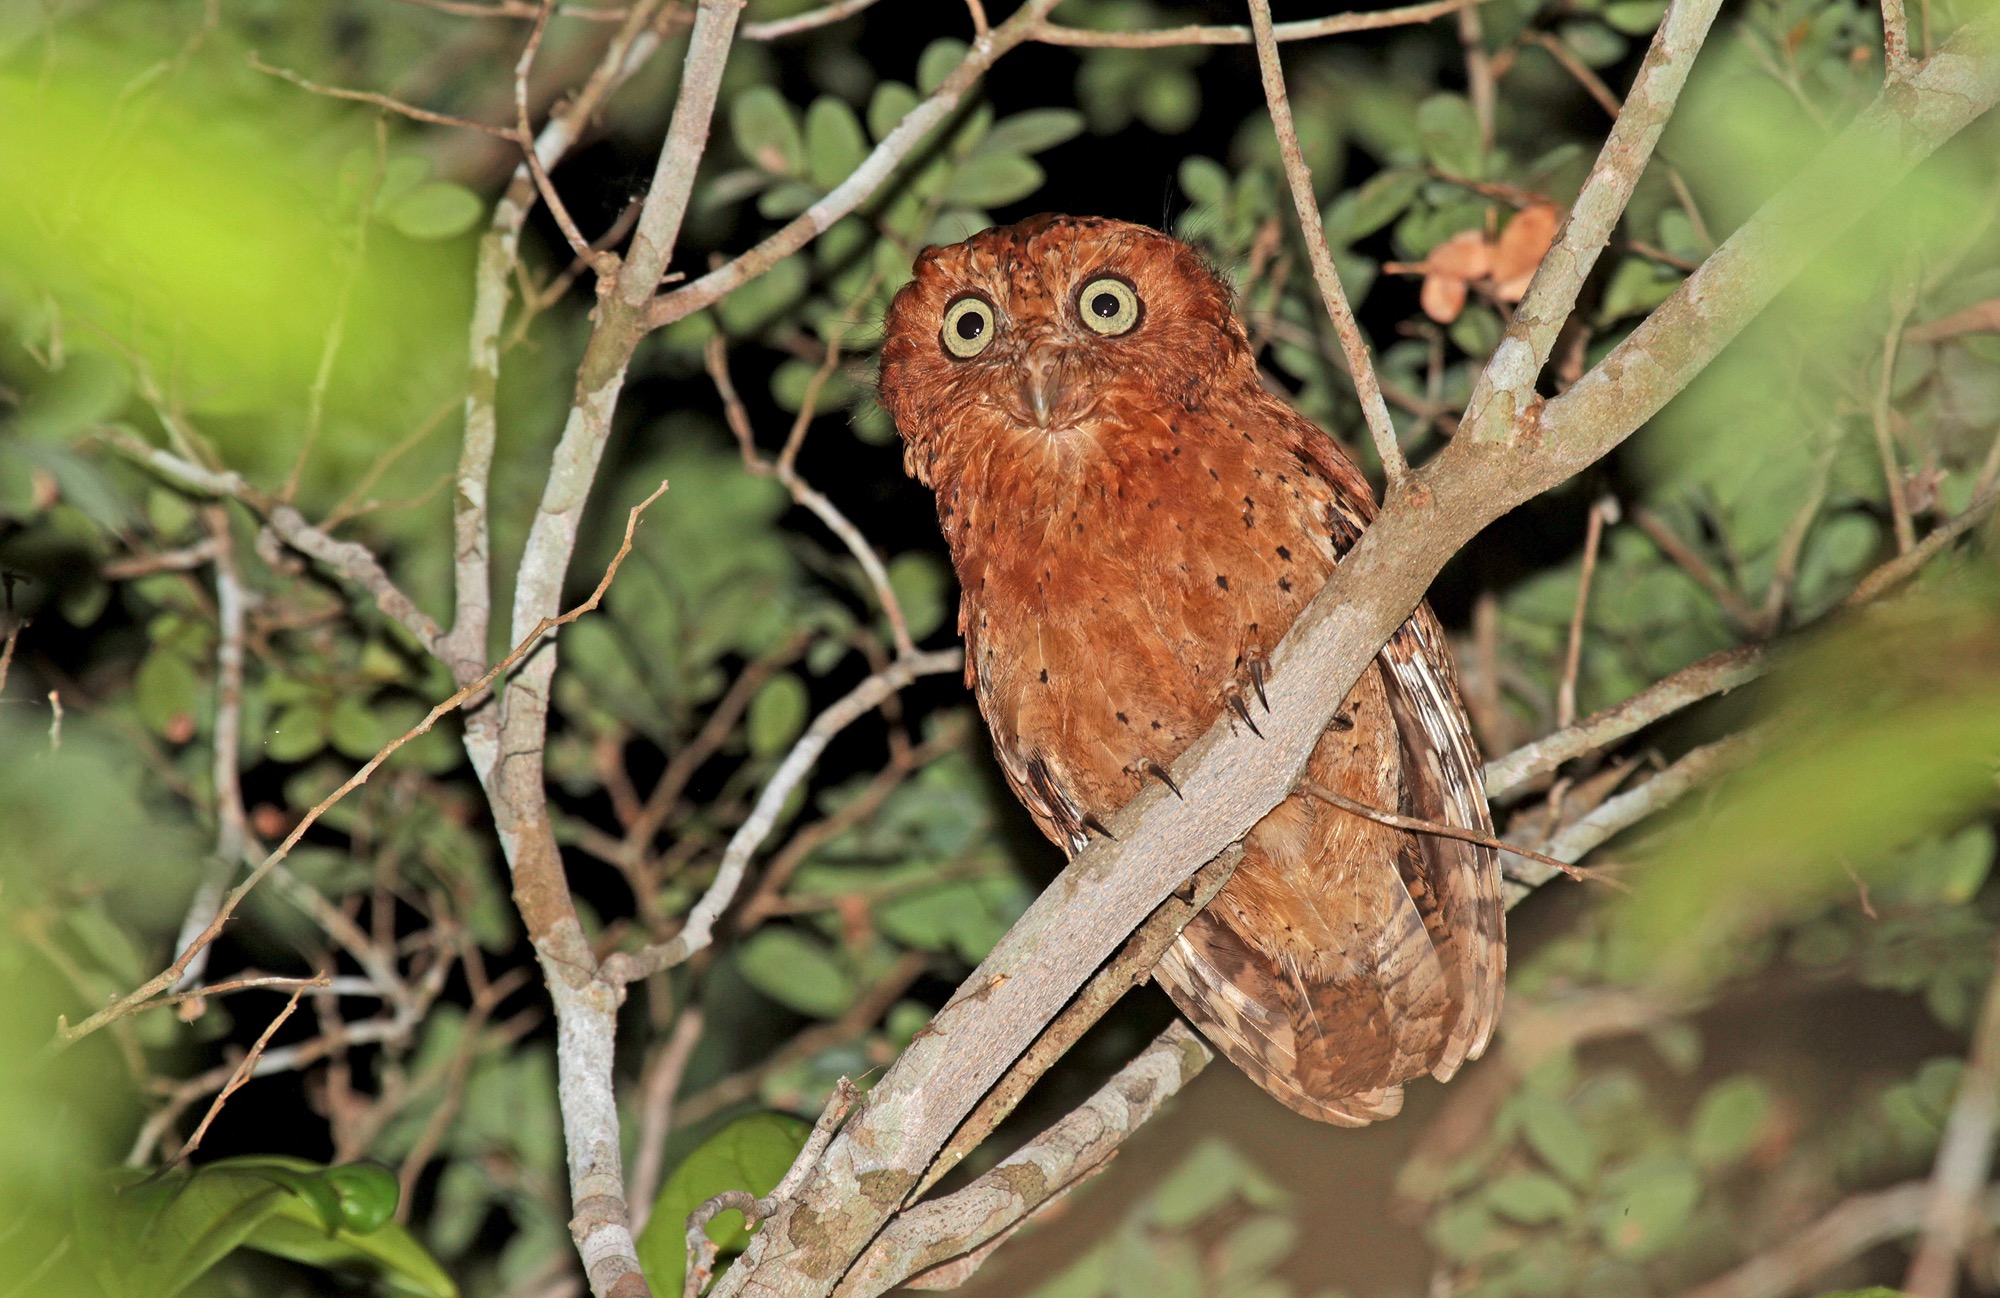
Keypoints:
(1136, 521)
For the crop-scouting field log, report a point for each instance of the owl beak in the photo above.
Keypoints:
(1042, 380)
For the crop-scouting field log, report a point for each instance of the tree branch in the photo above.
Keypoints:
(1506, 387)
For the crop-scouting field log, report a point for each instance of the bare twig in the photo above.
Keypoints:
(862, 183)
(779, 28)
(1902, 299)
(384, 102)
(1792, 545)
(1416, 825)
(656, 1110)
(142, 997)
(1896, 61)
(1505, 391)
(701, 1249)
(241, 1075)
(1904, 566)
(715, 355)
(1690, 561)
(1603, 511)
(1360, 366)
(1964, 1160)
(1716, 674)
(1303, 30)
(1979, 318)
(1852, 1228)
(699, 930)
(1627, 809)
(232, 826)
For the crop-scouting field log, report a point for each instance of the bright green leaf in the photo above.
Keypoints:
(777, 714)
(437, 209)
(751, 1154)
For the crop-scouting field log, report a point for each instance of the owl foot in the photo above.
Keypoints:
(1147, 766)
(1096, 826)
(1242, 710)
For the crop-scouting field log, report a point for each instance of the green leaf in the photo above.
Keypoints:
(1254, 1247)
(1450, 134)
(765, 298)
(777, 714)
(354, 728)
(1645, 1204)
(835, 145)
(1205, 181)
(1034, 131)
(298, 733)
(798, 972)
(89, 389)
(993, 180)
(166, 1235)
(1635, 17)
(1593, 42)
(1531, 1198)
(752, 1154)
(361, 1237)
(920, 584)
(167, 691)
(1729, 1120)
(936, 63)
(436, 209)
(766, 132)
(1557, 1138)
(888, 106)
(1385, 196)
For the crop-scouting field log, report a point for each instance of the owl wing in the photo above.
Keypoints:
(1456, 884)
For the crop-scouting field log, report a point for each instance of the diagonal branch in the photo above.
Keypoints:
(1506, 387)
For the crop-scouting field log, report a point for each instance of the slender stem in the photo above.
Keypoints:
(1360, 366)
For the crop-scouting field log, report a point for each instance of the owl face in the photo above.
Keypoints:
(1051, 327)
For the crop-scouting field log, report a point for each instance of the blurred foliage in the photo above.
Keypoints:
(201, 256)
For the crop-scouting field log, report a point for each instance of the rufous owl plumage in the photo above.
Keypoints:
(1136, 521)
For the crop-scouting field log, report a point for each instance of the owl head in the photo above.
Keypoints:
(1049, 326)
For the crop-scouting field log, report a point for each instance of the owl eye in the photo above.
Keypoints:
(968, 327)
(1108, 306)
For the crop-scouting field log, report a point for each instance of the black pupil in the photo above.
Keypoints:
(1105, 305)
(970, 325)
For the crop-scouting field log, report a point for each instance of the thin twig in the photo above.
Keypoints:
(699, 930)
(1896, 61)
(1716, 674)
(1904, 566)
(1504, 396)
(1793, 544)
(1855, 1226)
(1690, 561)
(1964, 1159)
(662, 1083)
(715, 355)
(1902, 299)
(1416, 825)
(236, 1079)
(1302, 30)
(1360, 367)
(142, 997)
(1605, 510)
(778, 28)
(383, 102)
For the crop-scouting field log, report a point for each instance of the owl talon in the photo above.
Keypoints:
(1096, 826)
(1254, 658)
(1237, 706)
(1150, 767)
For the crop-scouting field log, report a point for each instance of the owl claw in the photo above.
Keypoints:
(1150, 767)
(1255, 659)
(1096, 826)
(1237, 706)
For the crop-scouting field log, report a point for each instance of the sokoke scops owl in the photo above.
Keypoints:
(1136, 521)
